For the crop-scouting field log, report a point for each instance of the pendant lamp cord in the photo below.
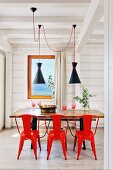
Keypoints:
(63, 49)
(74, 42)
(37, 39)
(34, 31)
(39, 27)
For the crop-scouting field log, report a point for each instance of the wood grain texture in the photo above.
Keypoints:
(70, 113)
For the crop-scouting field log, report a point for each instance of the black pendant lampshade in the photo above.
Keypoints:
(39, 77)
(74, 76)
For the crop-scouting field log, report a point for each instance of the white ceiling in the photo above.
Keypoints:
(57, 18)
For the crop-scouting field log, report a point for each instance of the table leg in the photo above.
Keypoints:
(81, 128)
(34, 127)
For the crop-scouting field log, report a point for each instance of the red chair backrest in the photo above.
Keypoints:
(56, 119)
(56, 124)
(27, 122)
(87, 121)
(26, 119)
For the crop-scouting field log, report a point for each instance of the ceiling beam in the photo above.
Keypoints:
(45, 5)
(42, 19)
(31, 40)
(45, 1)
(93, 16)
(30, 31)
(50, 33)
(34, 45)
(53, 40)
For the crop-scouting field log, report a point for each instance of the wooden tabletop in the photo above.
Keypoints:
(70, 113)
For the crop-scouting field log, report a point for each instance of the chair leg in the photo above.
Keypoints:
(79, 148)
(66, 143)
(20, 146)
(39, 143)
(93, 148)
(47, 144)
(75, 140)
(49, 148)
(34, 143)
(64, 148)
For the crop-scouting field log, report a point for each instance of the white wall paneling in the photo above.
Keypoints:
(92, 74)
(8, 93)
(77, 86)
(108, 58)
(2, 90)
(70, 89)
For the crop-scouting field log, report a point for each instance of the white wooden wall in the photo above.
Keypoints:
(70, 88)
(2, 89)
(92, 74)
(108, 84)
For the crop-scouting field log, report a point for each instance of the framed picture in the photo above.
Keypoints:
(45, 64)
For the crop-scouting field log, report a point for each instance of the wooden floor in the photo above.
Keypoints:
(9, 145)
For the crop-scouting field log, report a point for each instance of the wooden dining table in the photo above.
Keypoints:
(71, 114)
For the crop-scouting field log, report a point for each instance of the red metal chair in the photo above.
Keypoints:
(28, 133)
(56, 133)
(85, 134)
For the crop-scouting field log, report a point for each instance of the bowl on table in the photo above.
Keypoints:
(48, 108)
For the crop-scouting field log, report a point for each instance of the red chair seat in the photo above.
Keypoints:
(51, 133)
(81, 134)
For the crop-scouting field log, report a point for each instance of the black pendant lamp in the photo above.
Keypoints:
(39, 77)
(74, 75)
